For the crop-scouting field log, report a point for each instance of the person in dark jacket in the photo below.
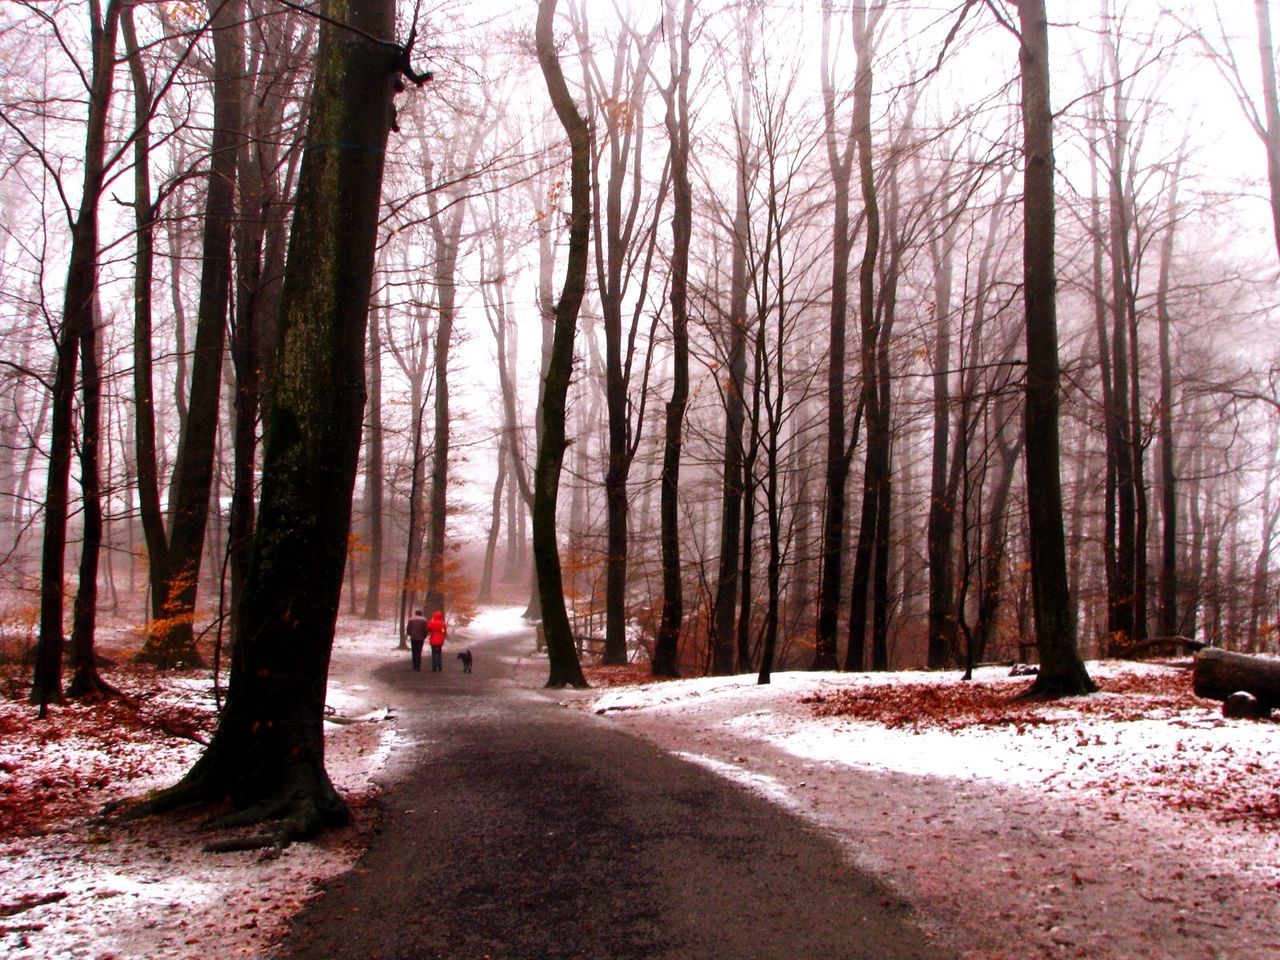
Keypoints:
(416, 630)
(435, 634)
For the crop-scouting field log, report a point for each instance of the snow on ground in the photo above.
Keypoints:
(1133, 824)
(1137, 823)
(73, 886)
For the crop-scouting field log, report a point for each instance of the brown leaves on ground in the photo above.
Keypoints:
(976, 703)
(1199, 771)
(66, 765)
(626, 675)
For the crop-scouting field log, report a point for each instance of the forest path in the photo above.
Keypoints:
(515, 829)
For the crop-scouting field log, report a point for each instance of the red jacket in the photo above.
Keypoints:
(436, 630)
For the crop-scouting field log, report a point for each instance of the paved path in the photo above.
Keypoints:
(520, 830)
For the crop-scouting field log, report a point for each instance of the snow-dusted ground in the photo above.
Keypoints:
(146, 890)
(1121, 826)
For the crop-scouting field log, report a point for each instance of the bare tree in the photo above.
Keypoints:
(839, 449)
(1061, 671)
(665, 648)
(267, 754)
(565, 670)
(79, 314)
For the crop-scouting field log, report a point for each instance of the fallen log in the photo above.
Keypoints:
(1217, 674)
(1157, 646)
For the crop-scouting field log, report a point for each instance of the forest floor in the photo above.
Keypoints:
(1132, 824)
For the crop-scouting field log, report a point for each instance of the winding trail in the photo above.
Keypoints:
(515, 829)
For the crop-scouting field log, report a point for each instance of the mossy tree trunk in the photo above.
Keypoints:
(267, 755)
(565, 670)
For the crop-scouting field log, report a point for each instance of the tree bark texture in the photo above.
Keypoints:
(840, 163)
(666, 645)
(732, 481)
(1219, 673)
(78, 314)
(172, 640)
(1061, 671)
(876, 463)
(565, 670)
(267, 754)
(1167, 603)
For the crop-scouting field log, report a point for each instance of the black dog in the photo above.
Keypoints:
(465, 657)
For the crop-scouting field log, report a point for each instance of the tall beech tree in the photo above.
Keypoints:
(265, 164)
(1062, 673)
(447, 178)
(79, 313)
(875, 475)
(176, 568)
(267, 754)
(1168, 622)
(565, 670)
(665, 647)
(732, 388)
(624, 227)
(840, 156)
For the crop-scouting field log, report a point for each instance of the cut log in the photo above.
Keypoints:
(1218, 674)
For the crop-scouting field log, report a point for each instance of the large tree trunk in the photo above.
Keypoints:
(665, 648)
(732, 481)
(174, 604)
(373, 472)
(1167, 603)
(876, 464)
(85, 680)
(617, 120)
(1123, 615)
(565, 670)
(1061, 671)
(889, 311)
(940, 533)
(78, 314)
(144, 421)
(840, 163)
(438, 495)
(267, 754)
(259, 242)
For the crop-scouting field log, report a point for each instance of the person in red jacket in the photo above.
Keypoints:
(435, 637)
(416, 630)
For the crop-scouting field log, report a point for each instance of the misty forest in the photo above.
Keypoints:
(731, 336)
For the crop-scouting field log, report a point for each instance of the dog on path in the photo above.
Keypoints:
(465, 657)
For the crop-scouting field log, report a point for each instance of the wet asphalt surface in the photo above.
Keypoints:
(516, 829)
